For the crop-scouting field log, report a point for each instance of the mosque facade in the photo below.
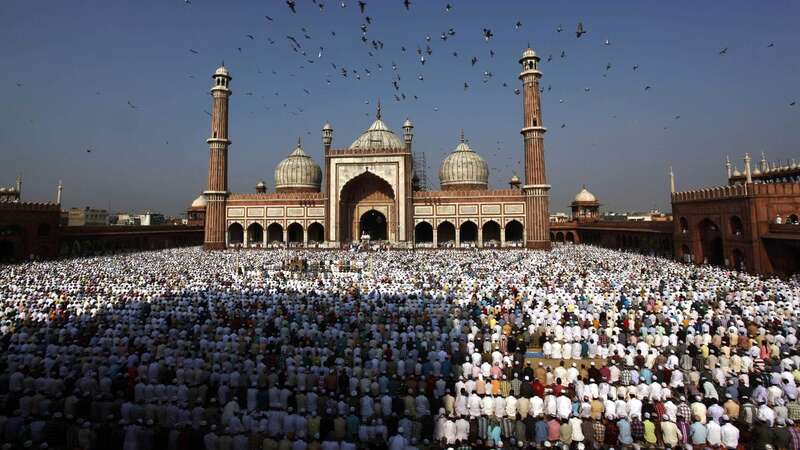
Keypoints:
(369, 190)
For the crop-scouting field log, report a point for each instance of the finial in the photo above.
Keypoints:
(378, 115)
(529, 44)
(299, 142)
(462, 136)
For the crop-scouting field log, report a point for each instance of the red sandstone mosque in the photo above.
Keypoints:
(370, 189)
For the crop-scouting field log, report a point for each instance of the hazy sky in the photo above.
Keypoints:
(71, 67)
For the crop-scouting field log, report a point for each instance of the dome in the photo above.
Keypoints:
(378, 135)
(298, 171)
(584, 196)
(327, 126)
(199, 202)
(514, 178)
(408, 124)
(464, 167)
(222, 70)
(528, 53)
(736, 172)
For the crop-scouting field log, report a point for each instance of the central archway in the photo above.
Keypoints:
(367, 201)
(373, 223)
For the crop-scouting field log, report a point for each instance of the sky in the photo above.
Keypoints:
(130, 80)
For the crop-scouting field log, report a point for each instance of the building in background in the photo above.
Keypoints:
(196, 214)
(87, 217)
(149, 219)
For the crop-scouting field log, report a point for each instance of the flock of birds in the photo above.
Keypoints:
(312, 51)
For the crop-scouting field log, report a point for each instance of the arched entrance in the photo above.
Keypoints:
(235, 234)
(514, 232)
(373, 224)
(446, 233)
(491, 233)
(367, 204)
(737, 228)
(7, 252)
(570, 237)
(559, 237)
(295, 233)
(738, 260)
(316, 233)
(255, 234)
(423, 233)
(711, 243)
(468, 232)
(274, 233)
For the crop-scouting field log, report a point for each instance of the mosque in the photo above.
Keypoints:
(369, 190)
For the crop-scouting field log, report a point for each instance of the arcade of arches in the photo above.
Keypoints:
(468, 234)
(275, 235)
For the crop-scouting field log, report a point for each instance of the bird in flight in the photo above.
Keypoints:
(559, 29)
(580, 31)
(269, 18)
(518, 25)
(724, 51)
(635, 66)
(131, 105)
(647, 88)
(770, 45)
(250, 36)
(407, 4)
(88, 150)
(793, 103)
(290, 4)
(194, 51)
(448, 7)
(487, 34)
(362, 5)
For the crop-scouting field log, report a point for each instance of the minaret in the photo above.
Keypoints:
(671, 180)
(217, 192)
(19, 188)
(536, 189)
(327, 136)
(408, 134)
(747, 173)
(58, 194)
(728, 167)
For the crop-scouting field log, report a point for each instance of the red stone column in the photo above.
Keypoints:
(536, 189)
(217, 192)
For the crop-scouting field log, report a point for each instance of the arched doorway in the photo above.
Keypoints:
(686, 253)
(468, 232)
(367, 200)
(491, 234)
(446, 234)
(559, 237)
(570, 237)
(235, 234)
(316, 233)
(684, 224)
(737, 228)
(7, 251)
(274, 233)
(738, 259)
(711, 243)
(552, 237)
(373, 224)
(514, 232)
(255, 234)
(423, 233)
(295, 233)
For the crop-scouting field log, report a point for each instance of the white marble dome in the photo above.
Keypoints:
(298, 171)
(464, 167)
(378, 136)
(199, 202)
(584, 196)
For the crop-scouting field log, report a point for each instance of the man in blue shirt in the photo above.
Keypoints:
(625, 435)
(698, 433)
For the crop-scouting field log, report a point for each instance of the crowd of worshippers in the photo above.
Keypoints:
(579, 348)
